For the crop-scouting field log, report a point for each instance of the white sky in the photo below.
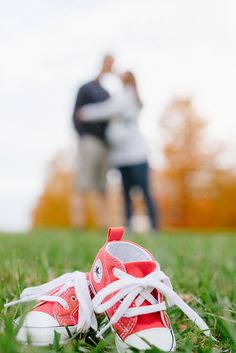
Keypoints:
(49, 47)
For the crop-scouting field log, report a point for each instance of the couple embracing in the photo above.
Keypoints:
(109, 137)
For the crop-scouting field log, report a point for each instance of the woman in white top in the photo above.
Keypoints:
(127, 148)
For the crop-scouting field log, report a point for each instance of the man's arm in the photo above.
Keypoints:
(79, 102)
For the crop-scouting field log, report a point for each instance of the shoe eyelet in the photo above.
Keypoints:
(114, 270)
(73, 298)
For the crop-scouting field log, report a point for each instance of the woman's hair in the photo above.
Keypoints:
(128, 78)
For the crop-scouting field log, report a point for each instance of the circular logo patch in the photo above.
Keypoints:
(97, 271)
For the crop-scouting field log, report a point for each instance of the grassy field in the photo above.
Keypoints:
(202, 268)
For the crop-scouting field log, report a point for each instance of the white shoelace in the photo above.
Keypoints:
(127, 288)
(86, 316)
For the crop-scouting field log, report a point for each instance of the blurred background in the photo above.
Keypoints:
(183, 53)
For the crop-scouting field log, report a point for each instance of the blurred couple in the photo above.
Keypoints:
(109, 137)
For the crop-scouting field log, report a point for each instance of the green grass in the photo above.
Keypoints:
(201, 266)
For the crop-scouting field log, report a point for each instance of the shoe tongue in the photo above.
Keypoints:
(140, 268)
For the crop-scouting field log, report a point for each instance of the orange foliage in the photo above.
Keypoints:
(53, 206)
(193, 190)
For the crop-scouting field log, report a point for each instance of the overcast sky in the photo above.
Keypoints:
(49, 47)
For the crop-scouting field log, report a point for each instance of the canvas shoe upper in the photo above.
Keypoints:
(129, 287)
(64, 301)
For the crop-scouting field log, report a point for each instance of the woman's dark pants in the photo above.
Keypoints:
(137, 175)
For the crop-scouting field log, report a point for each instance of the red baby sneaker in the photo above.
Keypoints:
(65, 301)
(129, 287)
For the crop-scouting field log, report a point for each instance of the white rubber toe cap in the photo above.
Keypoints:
(39, 319)
(38, 328)
(162, 338)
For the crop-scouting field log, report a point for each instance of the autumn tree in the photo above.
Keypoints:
(192, 184)
(53, 206)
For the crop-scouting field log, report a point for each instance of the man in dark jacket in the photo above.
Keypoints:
(93, 153)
